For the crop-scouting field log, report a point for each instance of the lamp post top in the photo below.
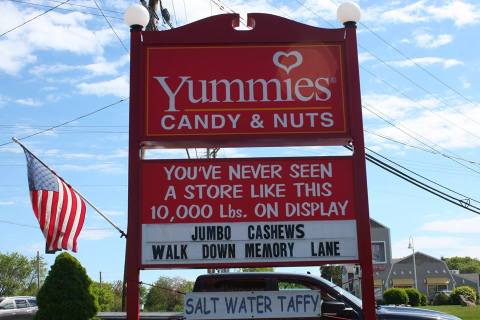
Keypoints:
(136, 15)
(348, 12)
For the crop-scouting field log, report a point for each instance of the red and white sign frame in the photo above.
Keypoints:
(248, 212)
(219, 31)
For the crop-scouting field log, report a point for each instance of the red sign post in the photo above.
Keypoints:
(209, 85)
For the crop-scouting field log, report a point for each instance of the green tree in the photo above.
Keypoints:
(414, 296)
(465, 291)
(66, 293)
(332, 273)
(17, 274)
(395, 296)
(32, 281)
(117, 289)
(463, 264)
(167, 294)
(105, 295)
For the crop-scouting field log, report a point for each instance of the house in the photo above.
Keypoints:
(432, 274)
(467, 279)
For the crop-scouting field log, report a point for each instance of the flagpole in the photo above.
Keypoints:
(122, 233)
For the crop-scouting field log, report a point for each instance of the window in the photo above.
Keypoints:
(432, 289)
(21, 304)
(7, 304)
(379, 254)
(241, 285)
(32, 302)
(290, 285)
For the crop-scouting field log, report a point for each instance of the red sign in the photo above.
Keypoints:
(245, 190)
(241, 95)
(248, 211)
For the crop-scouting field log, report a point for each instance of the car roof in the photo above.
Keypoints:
(257, 275)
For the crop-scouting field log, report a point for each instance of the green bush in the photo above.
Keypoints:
(66, 293)
(440, 299)
(465, 291)
(414, 296)
(423, 299)
(395, 296)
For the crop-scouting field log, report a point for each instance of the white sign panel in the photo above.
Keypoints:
(236, 243)
(253, 305)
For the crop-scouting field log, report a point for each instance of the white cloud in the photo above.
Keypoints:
(432, 130)
(15, 55)
(364, 57)
(460, 12)
(112, 168)
(116, 154)
(437, 246)
(68, 32)
(118, 87)
(427, 119)
(428, 41)
(465, 83)
(7, 203)
(468, 225)
(99, 68)
(427, 61)
(396, 107)
(411, 13)
(28, 102)
(113, 212)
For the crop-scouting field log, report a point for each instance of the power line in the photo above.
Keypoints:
(428, 146)
(420, 66)
(66, 122)
(415, 102)
(111, 27)
(71, 126)
(65, 9)
(84, 6)
(36, 227)
(421, 176)
(415, 138)
(31, 19)
(450, 157)
(417, 147)
(185, 10)
(463, 203)
(425, 70)
(227, 9)
(403, 75)
(174, 13)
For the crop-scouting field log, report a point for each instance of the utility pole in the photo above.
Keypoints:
(38, 271)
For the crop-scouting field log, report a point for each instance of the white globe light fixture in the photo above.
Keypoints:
(348, 12)
(136, 15)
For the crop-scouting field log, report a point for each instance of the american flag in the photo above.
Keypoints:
(60, 211)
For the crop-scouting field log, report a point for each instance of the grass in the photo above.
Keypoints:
(464, 313)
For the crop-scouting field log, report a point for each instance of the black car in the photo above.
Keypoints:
(337, 304)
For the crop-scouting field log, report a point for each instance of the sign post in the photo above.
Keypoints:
(360, 172)
(210, 85)
(132, 263)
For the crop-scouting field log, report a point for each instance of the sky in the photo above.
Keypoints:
(420, 71)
